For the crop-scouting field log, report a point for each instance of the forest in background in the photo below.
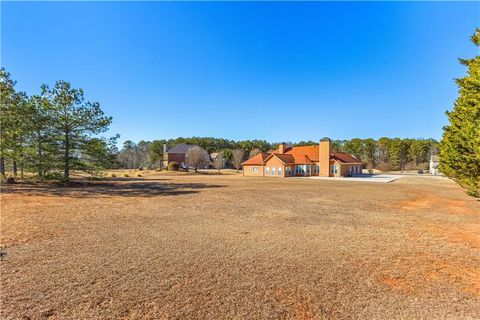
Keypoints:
(385, 154)
(58, 132)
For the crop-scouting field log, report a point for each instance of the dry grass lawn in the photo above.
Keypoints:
(229, 247)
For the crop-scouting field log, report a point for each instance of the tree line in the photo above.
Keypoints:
(385, 154)
(58, 131)
(52, 133)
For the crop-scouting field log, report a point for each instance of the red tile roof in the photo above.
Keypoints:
(285, 158)
(305, 154)
(300, 155)
(344, 157)
(258, 159)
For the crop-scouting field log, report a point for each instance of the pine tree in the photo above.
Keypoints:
(74, 122)
(13, 110)
(460, 146)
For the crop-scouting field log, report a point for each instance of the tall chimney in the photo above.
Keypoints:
(282, 147)
(324, 157)
(164, 148)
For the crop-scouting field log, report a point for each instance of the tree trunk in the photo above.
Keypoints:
(66, 171)
(40, 158)
(15, 168)
(2, 166)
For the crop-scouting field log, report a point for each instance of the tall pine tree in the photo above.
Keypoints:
(460, 146)
(74, 123)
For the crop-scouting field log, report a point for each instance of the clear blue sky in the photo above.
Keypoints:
(274, 71)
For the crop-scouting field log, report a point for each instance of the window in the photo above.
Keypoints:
(302, 169)
(279, 171)
(273, 171)
(255, 169)
(299, 169)
(333, 169)
(316, 169)
(267, 171)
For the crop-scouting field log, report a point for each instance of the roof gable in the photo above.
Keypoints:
(180, 148)
(258, 159)
(285, 158)
(344, 157)
(305, 154)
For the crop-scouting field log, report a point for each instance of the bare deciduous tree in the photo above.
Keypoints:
(195, 157)
(218, 162)
(254, 152)
(237, 158)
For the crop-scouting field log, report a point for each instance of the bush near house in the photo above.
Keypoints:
(173, 166)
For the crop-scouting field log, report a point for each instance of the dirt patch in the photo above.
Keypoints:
(467, 278)
(456, 234)
(397, 283)
(434, 202)
(226, 246)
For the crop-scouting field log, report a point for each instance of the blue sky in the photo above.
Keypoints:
(264, 70)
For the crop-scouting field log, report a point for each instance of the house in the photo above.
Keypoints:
(434, 162)
(316, 160)
(214, 156)
(178, 154)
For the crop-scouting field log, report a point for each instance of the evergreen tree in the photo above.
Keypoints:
(460, 146)
(41, 145)
(74, 122)
(14, 128)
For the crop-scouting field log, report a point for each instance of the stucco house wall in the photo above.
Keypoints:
(272, 163)
(253, 170)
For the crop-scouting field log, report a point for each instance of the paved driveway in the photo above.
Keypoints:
(382, 178)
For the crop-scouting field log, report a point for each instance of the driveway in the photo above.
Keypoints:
(382, 178)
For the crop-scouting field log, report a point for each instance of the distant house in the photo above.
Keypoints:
(178, 154)
(316, 160)
(214, 156)
(434, 162)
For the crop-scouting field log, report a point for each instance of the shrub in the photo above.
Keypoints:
(10, 180)
(113, 175)
(383, 166)
(370, 171)
(173, 166)
(53, 176)
(126, 175)
(139, 175)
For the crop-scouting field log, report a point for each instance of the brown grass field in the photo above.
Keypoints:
(229, 247)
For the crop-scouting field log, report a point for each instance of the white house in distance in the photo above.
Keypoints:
(434, 161)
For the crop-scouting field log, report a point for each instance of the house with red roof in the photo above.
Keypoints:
(316, 160)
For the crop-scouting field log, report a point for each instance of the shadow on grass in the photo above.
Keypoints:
(108, 188)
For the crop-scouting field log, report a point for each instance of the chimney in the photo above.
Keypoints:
(324, 157)
(282, 147)
(164, 148)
